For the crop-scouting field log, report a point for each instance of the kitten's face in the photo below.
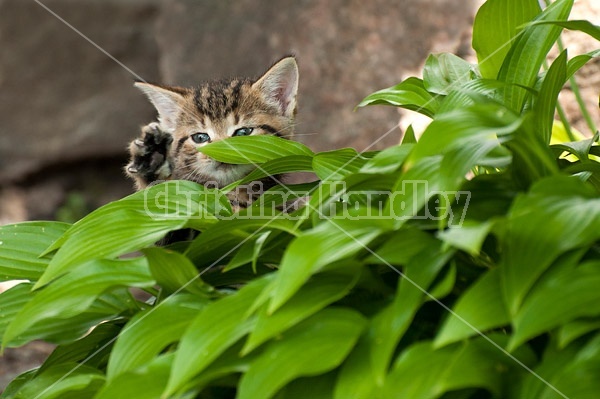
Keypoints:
(220, 110)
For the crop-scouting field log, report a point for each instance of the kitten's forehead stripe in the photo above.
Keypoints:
(218, 99)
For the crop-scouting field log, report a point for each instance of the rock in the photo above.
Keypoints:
(61, 99)
(345, 50)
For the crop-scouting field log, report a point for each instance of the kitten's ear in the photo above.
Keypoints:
(280, 85)
(168, 102)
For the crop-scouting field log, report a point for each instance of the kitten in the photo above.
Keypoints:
(189, 118)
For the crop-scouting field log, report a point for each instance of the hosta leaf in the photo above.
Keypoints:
(93, 349)
(545, 105)
(480, 308)
(314, 346)
(254, 149)
(410, 94)
(560, 213)
(75, 293)
(216, 328)
(146, 382)
(318, 387)
(469, 236)
(445, 72)
(528, 52)
(495, 27)
(248, 252)
(569, 373)
(581, 149)
(21, 246)
(289, 164)
(320, 291)
(421, 371)
(64, 381)
(335, 165)
(221, 240)
(150, 331)
(65, 330)
(174, 272)
(311, 251)
(575, 329)
(127, 225)
(547, 307)
(388, 160)
(11, 302)
(389, 325)
(579, 61)
(465, 136)
(582, 26)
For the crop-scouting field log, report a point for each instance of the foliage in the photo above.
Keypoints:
(464, 264)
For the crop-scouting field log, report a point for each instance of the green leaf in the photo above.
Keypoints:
(389, 325)
(560, 213)
(289, 164)
(335, 165)
(424, 372)
(146, 382)
(318, 387)
(93, 349)
(582, 26)
(319, 292)
(464, 137)
(569, 373)
(581, 149)
(313, 250)
(150, 331)
(225, 237)
(218, 326)
(545, 105)
(546, 307)
(480, 308)
(248, 252)
(11, 302)
(253, 149)
(575, 329)
(445, 72)
(127, 225)
(527, 54)
(469, 236)
(21, 245)
(410, 94)
(75, 293)
(495, 27)
(579, 61)
(314, 346)
(64, 381)
(64, 330)
(174, 272)
(388, 160)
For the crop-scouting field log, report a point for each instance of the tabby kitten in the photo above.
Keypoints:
(189, 118)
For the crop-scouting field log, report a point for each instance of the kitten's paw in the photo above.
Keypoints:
(149, 155)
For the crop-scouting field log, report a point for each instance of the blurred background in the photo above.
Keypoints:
(68, 110)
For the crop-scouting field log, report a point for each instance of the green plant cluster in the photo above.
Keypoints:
(464, 264)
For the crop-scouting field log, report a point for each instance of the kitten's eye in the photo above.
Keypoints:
(200, 138)
(243, 131)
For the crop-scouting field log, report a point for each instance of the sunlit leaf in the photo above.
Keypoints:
(314, 346)
(253, 149)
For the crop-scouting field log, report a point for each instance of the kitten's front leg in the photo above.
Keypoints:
(149, 156)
